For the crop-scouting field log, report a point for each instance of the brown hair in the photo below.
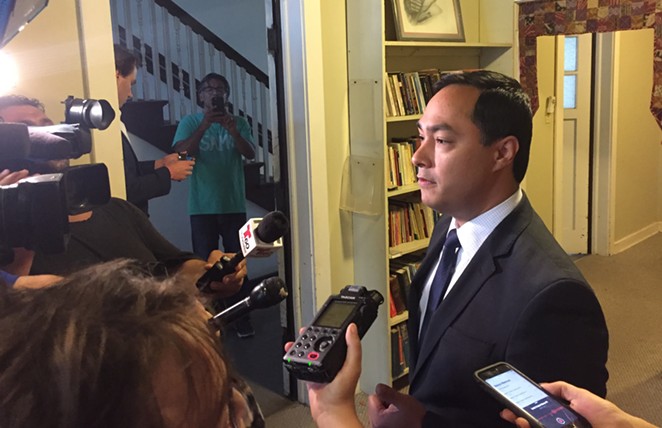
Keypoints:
(83, 353)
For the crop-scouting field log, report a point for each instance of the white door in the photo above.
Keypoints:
(572, 142)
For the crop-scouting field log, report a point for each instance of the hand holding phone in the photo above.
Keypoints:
(526, 398)
(218, 104)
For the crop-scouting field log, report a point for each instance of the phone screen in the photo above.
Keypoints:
(536, 402)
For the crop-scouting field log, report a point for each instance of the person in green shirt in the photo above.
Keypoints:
(218, 140)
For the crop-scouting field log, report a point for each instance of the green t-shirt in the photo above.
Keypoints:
(217, 183)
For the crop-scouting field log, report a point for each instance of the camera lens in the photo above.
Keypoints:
(91, 114)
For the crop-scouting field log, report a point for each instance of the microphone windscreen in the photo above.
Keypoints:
(14, 141)
(268, 292)
(273, 226)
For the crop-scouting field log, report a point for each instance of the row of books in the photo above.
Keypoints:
(408, 93)
(400, 169)
(399, 349)
(408, 222)
(401, 272)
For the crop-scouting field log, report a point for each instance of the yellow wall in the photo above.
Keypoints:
(539, 180)
(637, 145)
(58, 54)
(334, 51)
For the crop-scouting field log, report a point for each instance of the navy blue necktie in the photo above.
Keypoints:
(442, 277)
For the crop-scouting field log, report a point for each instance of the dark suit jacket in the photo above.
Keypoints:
(143, 182)
(521, 300)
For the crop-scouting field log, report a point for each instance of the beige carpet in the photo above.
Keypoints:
(629, 286)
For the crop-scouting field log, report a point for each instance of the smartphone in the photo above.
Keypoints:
(218, 104)
(526, 398)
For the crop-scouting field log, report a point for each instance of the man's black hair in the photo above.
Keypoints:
(502, 109)
(126, 60)
(20, 100)
(214, 76)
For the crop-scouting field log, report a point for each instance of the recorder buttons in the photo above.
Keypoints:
(324, 343)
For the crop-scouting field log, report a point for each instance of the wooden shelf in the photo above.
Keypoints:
(403, 118)
(455, 45)
(407, 247)
(402, 190)
(400, 318)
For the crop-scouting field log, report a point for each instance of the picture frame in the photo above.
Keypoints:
(428, 20)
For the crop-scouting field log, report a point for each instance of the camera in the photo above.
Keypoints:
(34, 212)
(319, 352)
(218, 104)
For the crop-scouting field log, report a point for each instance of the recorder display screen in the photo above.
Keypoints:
(335, 314)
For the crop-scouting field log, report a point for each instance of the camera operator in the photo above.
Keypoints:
(15, 274)
(115, 230)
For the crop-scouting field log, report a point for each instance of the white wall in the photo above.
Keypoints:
(239, 23)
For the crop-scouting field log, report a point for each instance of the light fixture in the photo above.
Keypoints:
(8, 73)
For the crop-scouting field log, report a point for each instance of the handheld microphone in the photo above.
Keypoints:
(258, 238)
(265, 294)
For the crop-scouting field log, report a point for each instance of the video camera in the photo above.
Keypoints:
(34, 211)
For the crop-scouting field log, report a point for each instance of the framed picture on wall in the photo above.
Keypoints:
(429, 20)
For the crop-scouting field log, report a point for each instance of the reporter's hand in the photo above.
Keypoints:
(597, 411)
(212, 116)
(8, 177)
(231, 283)
(388, 408)
(179, 169)
(332, 404)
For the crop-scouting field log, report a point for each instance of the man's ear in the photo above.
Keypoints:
(117, 74)
(506, 149)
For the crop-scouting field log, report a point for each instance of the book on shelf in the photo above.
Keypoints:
(397, 353)
(397, 90)
(401, 171)
(392, 309)
(399, 349)
(397, 294)
(403, 224)
(404, 339)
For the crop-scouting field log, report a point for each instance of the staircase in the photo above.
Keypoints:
(177, 52)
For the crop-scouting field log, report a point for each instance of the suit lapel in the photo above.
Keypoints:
(479, 270)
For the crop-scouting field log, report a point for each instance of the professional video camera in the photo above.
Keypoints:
(34, 212)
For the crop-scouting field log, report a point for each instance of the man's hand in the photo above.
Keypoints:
(8, 177)
(213, 116)
(332, 404)
(231, 283)
(36, 281)
(387, 408)
(179, 169)
(597, 411)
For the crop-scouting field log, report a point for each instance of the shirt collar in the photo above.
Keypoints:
(473, 233)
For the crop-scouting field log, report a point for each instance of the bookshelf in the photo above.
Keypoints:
(374, 54)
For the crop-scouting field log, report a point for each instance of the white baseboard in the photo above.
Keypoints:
(636, 237)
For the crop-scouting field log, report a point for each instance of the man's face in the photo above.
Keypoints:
(211, 89)
(26, 114)
(454, 168)
(124, 85)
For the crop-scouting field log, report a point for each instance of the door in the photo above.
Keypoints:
(572, 153)
(562, 134)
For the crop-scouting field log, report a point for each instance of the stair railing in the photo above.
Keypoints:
(177, 52)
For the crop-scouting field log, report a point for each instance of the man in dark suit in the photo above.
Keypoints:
(510, 292)
(144, 179)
